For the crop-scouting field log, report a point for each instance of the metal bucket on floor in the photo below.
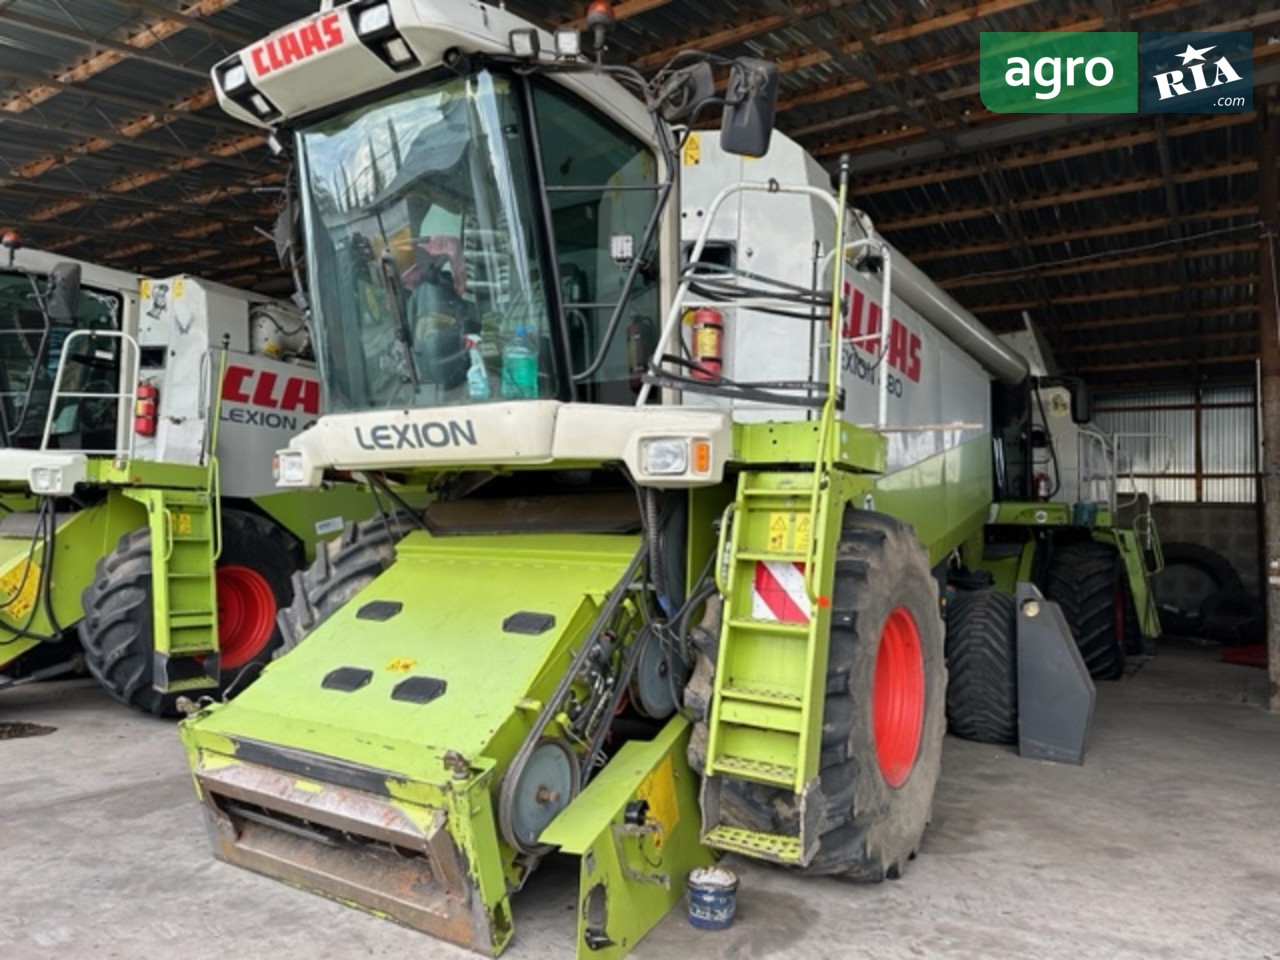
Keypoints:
(713, 894)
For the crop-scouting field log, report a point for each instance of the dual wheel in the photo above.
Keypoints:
(1087, 580)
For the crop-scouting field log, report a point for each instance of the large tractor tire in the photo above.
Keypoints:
(252, 585)
(342, 568)
(1182, 593)
(1087, 580)
(885, 712)
(982, 666)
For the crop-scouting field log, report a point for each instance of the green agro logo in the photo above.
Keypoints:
(1059, 72)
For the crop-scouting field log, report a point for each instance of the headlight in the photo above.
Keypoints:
(235, 78)
(46, 479)
(665, 458)
(373, 19)
(291, 469)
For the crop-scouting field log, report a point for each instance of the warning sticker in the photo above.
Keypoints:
(692, 153)
(181, 523)
(790, 532)
(659, 789)
(19, 588)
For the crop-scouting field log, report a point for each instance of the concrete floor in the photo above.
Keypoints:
(1164, 844)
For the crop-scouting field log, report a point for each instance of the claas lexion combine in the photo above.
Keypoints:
(707, 458)
(141, 533)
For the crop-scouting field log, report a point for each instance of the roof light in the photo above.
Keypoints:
(568, 43)
(399, 51)
(234, 77)
(524, 44)
(260, 104)
(373, 19)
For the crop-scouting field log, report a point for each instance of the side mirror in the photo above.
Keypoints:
(682, 93)
(64, 292)
(750, 102)
(1081, 402)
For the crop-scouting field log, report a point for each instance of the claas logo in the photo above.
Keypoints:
(297, 44)
(862, 327)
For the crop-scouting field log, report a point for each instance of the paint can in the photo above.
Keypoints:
(712, 898)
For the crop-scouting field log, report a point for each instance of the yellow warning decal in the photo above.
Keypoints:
(181, 523)
(144, 289)
(659, 789)
(789, 532)
(692, 153)
(179, 288)
(400, 665)
(19, 588)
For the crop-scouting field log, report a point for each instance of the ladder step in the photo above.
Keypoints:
(773, 556)
(776, 698)
(185, 619)
(192, 683)
(777, 847)
(178, 575)
(749, 625)
(758, 770)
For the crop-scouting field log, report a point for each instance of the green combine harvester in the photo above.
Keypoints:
(141, 533)
(709, 463)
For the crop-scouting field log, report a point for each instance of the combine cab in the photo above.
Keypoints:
(702, 476)
(141, 533)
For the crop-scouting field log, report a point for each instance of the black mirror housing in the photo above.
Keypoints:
(750, 103)
(684, 91)
(63, 294)
(1081, 402)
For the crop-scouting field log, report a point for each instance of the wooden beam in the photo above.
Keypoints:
(1110, 323)
(1013, 160)
(1159, 363)
(1073, 196)
(1096, 264)
(1110, 346)
(1085, 233)
(754, 28)
(1101, 295)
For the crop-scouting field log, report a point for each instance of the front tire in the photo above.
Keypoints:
(117, 631)
(885, 712)
(982, 666)
(342, 568)
(1087, 581)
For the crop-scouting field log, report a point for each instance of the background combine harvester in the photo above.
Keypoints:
(704, 474)
(137, 504)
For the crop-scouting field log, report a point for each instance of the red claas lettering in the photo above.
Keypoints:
(264, 389)
(298, 44)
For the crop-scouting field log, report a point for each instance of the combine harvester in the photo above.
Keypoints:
(137, 504)
(704, 471)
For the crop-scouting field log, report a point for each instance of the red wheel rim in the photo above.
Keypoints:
(246, 614)
(898, 697)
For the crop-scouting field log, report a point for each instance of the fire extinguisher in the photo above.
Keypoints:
(708, 344)
(1041, 482)
(145, 407)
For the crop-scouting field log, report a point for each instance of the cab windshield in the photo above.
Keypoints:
(424, 269)
(30, 349)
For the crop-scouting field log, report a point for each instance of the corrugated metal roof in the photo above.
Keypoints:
(1133, 241)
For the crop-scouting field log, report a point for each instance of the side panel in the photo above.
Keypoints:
(80, 540)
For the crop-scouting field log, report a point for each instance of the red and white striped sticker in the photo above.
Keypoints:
(777, 592)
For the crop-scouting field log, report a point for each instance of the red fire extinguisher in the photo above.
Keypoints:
(708, 344)
(1042, 487)
(145, 407)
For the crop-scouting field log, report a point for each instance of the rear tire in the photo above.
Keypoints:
(982, 666)
(342, 568)
(117, 630)
(884, 716)
(1087, 581)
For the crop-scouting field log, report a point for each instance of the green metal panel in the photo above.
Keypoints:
(183, 587)
(797, 442)
(456, 592)
(1129, 544)
(632, 874)
(946, 497)
(1031, 514)
(81, 538)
